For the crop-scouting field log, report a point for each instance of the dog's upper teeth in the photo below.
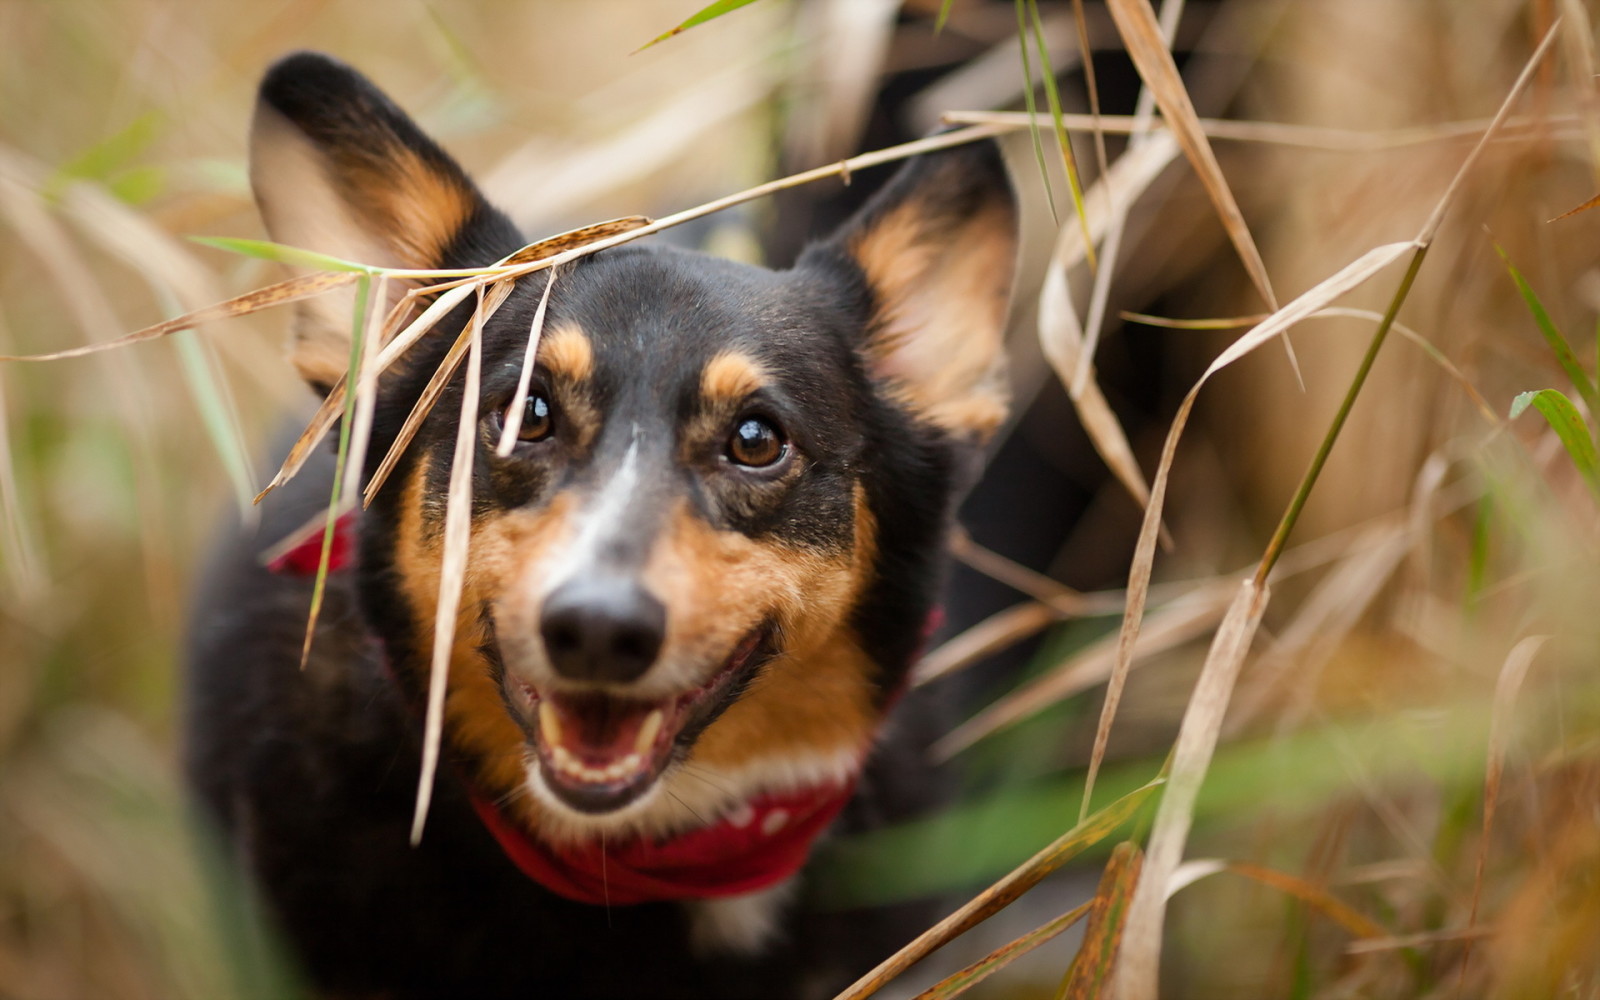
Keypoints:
(648, 731)
(550, 724)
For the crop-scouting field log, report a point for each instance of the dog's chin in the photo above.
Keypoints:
(598, 753)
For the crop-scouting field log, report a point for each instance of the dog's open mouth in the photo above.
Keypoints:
(598, 752)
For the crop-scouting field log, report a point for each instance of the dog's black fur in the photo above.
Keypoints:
(312, 773)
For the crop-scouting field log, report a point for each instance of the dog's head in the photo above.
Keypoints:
(708, 562)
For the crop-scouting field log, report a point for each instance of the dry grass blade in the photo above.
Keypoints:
(1435, 355)
(1143, 117)
(453, 566)
(1139, 966)
(1512, 674)
(1004, 892)
(1136, 23)
(1569, 213)
(333, 404)
(1367, 946)
(1022, 579)
(1321, 623)
(1318, 898)
(959, 982)
(843, 168)
(1090, 972)
(1091, 85)
(576, 238)
(1060, 335)
(1062, 340)
(1314, 299)
(519, 399)
(1185, 620)
(293, 290)
(426, 321)
(487, 306)
(22, 560)
(1212, 323)
(1317, 137)
(998, 631)
(321, 422)
(1502, 115)
(366, 402)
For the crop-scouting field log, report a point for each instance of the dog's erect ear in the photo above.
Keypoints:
(938, 248)
(338, 168)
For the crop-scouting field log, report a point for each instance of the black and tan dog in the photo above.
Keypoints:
(694, 587)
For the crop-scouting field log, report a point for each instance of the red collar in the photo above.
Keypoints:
(760, 843)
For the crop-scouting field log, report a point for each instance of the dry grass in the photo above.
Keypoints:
(1399, 755)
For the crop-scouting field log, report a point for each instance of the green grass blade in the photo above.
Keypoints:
(1069, 163)
(1552, 336)
(1478, 555)
(944, 15)
(709, 12)
(358, 329)
(1033, 111)
(267, 250)
(111, 162)
(1565, 420)
(217, 416)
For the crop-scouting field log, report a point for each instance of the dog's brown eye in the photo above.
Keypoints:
(536, 420)
(756, 443)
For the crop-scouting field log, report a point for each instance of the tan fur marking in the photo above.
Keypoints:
(730, 377)
(942, 314)
(476, 720)
(565, 351)
(719, 585)
(414, 208)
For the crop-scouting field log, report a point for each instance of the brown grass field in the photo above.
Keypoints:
(1372, 690)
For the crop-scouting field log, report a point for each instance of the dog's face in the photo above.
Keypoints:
(707, 560)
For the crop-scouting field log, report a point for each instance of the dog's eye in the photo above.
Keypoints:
(756, 443)
(537, 421)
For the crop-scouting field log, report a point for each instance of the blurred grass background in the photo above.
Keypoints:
(1356, 753)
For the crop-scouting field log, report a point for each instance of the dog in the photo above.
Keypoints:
(694, 588)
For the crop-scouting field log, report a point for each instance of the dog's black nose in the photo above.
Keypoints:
(602, 629)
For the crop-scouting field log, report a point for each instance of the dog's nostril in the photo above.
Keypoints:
(602, 629)
(636, 644)
(561, 638)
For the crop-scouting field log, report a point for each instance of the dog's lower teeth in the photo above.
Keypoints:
(565, 763)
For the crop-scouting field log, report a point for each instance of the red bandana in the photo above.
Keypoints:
(758, 844)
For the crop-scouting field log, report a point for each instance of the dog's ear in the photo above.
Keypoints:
(338, 168)
(938, 248)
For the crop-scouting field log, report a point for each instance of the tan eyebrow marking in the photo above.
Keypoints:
(730, 377)
(566, 352)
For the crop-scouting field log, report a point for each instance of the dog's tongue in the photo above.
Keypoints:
(600, 730)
